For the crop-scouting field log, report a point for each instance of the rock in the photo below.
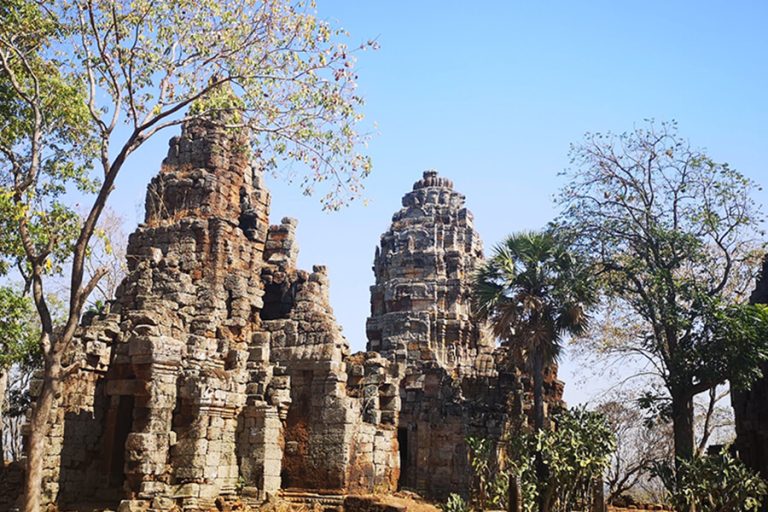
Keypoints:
(133, 506)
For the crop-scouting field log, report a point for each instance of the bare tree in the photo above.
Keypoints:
(638, 446)
(17, 403)
(645, 439)
(107, 256)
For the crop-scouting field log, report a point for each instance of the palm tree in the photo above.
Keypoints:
(534, 294)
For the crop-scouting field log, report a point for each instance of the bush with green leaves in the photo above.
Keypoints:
(576, 454)
(455, 503)
(489, 486)
(714, 483)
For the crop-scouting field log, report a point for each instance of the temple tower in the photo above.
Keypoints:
(219, 369)
(420, 302)
(176, 383)
(421, 322)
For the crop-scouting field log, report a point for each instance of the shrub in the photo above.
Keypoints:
(455, 503)
(576, 453)
(715, 483)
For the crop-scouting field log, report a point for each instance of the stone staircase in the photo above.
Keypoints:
(312, 500)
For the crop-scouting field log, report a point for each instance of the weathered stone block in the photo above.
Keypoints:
(133, 506)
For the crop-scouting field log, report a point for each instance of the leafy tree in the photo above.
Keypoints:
(83, 85)
(18, 336)
(534, 293)
(672, 235)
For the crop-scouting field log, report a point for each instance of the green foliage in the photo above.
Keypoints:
(715, 483)
(534, 292)
(18, 333)
(455, 503)
(290, 74)
(732, 342)
(219, 103)
(25, 27)
(489, 485)
(97, 307)
(52, 225)
(46, 141)
(656, 405)
(576, 453)
(735, 348)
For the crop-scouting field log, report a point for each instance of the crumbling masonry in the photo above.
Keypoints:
(219, 369)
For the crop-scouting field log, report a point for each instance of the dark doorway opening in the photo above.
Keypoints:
(405, 469)
(123, 425)
(278, 301)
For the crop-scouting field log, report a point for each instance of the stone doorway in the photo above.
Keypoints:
(405, 460)
(122, 428)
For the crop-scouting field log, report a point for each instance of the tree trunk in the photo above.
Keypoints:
(515, 498)
(39, 430)
(682, 425)
(3, 389)
(538, 421)
(538, 391)
(682, 420)
(598, 496)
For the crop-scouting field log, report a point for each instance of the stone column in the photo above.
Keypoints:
(156, 361)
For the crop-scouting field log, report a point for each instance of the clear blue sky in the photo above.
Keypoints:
(491, 94)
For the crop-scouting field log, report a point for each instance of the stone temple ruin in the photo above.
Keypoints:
(219, 369)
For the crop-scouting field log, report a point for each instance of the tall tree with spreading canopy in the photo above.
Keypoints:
(534, 294)
(673, 236)
(85, 83)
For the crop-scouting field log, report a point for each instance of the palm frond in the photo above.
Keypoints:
(487, 291)
(534, 292)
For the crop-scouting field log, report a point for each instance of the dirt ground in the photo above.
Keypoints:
(412, 502)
